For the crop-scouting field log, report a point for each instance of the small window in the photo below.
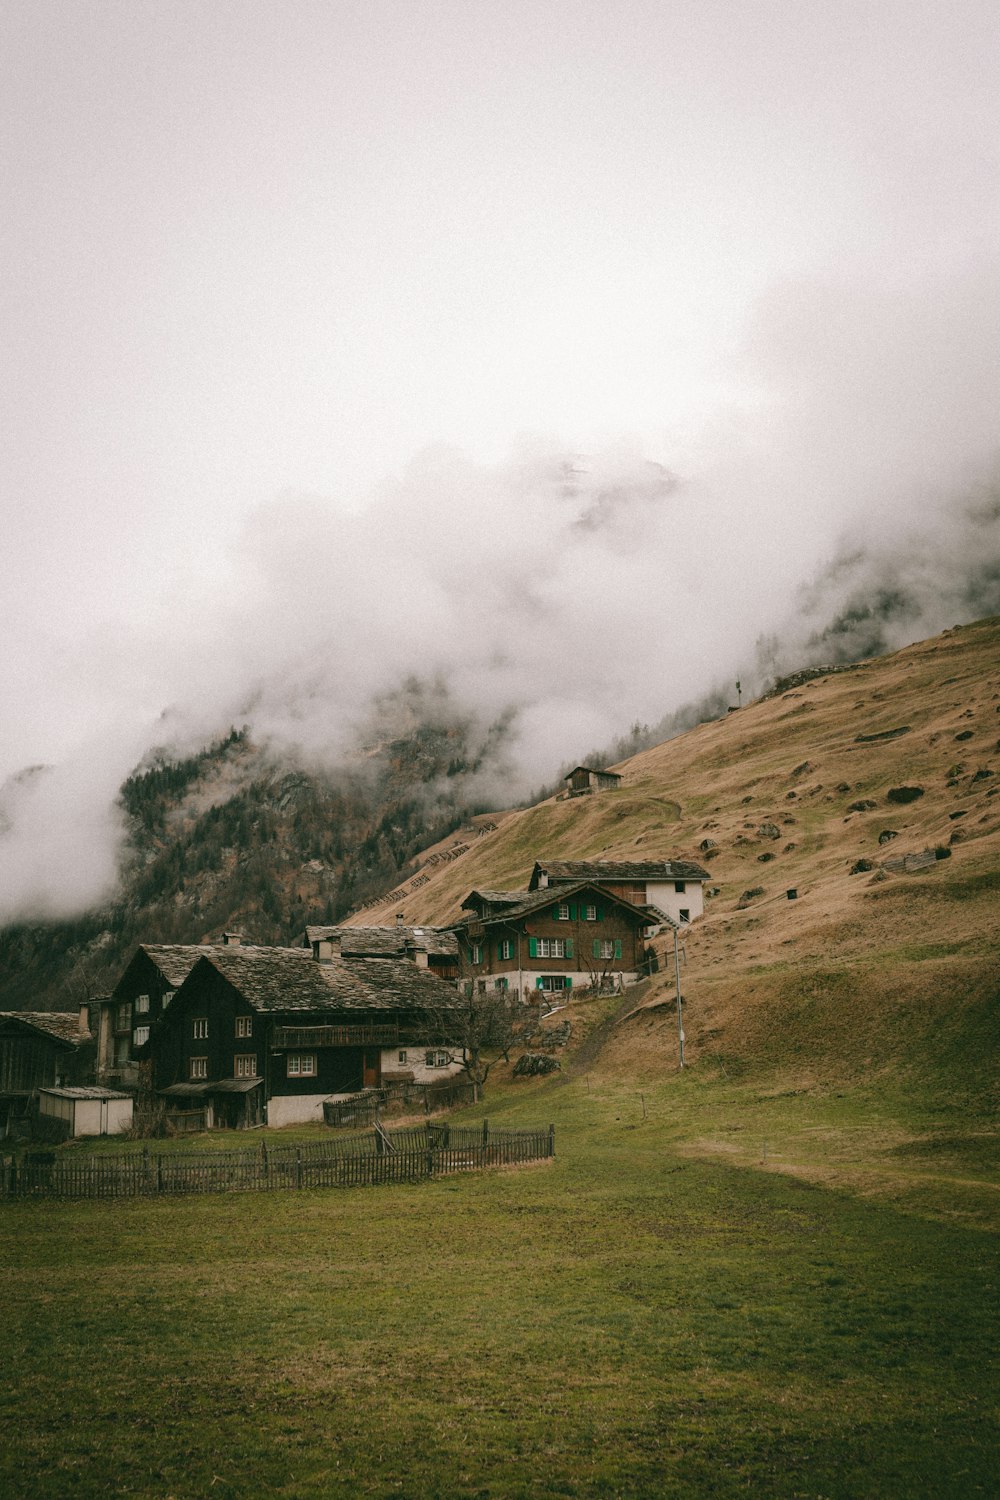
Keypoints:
(123, 1017)
(301, 1065)
(401, 1056)
(441, 1059)
(506, 948)
(607, 948)
(142, 1005)
(500, 984)
(685, 914)
(590, 913)
(244, 1025)
(476, 952)
(551, 947)
(199, 1067)
(435, 1059)
(680, 887)
(245, 1065)
(564, 911)
(200, 1028)
(553, 982)
(140, 1036)
(168, 995)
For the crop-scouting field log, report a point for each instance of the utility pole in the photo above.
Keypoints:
(680, 1007)
(739, 693)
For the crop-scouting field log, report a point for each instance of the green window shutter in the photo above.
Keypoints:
(569, 947)
(569, 982)
(572, 911)
(539, 983)
(618, 947)
(597, 948)
(532, 947)
(555, 913)
(500, 950)
(600, 913)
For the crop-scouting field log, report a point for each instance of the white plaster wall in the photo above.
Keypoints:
(295, 1109)
(416, 1065)
(663, 895)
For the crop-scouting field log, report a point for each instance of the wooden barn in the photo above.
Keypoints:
(266, 1035)
(583, 779)
(40, 1049)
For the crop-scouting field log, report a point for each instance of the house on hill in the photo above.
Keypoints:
(41, 1050)
(549, 941)
(138, 1002)
(265, 1035)
(584, 779)
(674, 887)
(433, 948)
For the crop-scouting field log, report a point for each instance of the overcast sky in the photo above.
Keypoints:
(301, 302)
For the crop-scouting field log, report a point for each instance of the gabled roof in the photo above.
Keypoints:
(62, 1026)
(176, 960)
(290, 979)
(593, 771)
(616, 869)
(385, 942)
(553, 895)
(495, 898)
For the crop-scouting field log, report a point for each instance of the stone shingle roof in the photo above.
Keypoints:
(530, 901)
(385, 942)
(62, 1025)
(176, 960)
(615, 870)
(495, 898)
(290, 979)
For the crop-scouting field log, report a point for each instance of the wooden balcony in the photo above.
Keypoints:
(309, 1037)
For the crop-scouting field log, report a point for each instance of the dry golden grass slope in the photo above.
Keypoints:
(878, 976)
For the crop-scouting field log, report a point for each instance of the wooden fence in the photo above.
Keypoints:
(368, 1107)
(379, 1156)
(906, 864)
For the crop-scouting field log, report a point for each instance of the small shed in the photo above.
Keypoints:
(587, 779)
(87, 1111)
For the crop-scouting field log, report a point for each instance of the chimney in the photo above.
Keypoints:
(84, 1021)
(326, 949)
(416, 955)
(232, 939)
(399, 919)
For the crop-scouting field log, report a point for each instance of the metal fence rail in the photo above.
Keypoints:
(379, 1156)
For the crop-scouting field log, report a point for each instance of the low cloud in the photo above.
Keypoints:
(849, 504)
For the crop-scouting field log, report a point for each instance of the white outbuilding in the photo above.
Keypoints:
(87, 1111)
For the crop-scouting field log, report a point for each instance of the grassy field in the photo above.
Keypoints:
(718, 1288)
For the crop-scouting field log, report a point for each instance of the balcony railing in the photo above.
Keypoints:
(334, 1036)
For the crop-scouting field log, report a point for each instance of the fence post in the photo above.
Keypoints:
(265, 1165)
(159, 1174)
(552, 1140)
(298, 1166)
(486, 1132)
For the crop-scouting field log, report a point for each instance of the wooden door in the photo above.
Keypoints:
(372, 1068)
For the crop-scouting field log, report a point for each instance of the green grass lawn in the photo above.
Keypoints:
(713, 1290)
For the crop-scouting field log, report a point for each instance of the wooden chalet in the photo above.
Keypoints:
(38, 1050)
(433, 948)
(672, 888)
(266, 1035)
(529, 941)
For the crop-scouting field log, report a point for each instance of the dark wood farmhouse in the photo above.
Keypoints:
(137, 1003)
(671, 887)
(583, 934)
(40, 1049)
(433, 948)
(265, 1035)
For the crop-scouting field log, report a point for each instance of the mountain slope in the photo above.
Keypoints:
(874, 974)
